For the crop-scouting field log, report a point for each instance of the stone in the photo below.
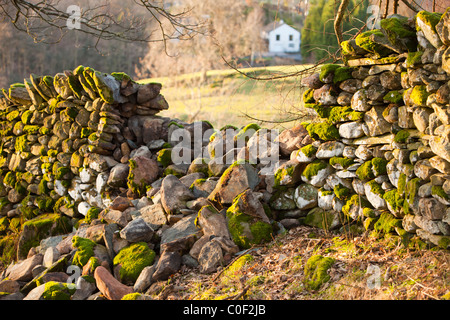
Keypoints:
(421, 118)
(351, 130)
(109, 286)
(438, 240)
(423, 169)
(375, 121)
(391, 80)
(22, 270)
(174, 195)
(330, 149)
(408, 223)
(373, 194)
(210, 257)
(212, 222)
(443, 28)
(427, 225)
(283, 200)
(289, 173)
(324, 219)
(145, 279)
(84, 289)
(137, 230)
(316, 173)
(291, 139)
(168, 264)
(440, 164)
(305, 196)
(431, 209)
(118, 175)
(51, 255)
(427, 22)
(237, 178)
(312, 81)
(154, 215)
(183, 230)
(116, 216)
(143, 172)
(360, 101)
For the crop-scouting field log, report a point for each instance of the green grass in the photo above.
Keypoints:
(226, 96)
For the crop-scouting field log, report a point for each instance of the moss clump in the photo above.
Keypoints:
(26, 116)
(419, 95)
(58, 291)
(326, 69)
(393, 199)
(355, 200)
(394, 97)
(387, 223)
(92, 214)
(429, 18)
(341, 192)
(412, 187)
(313, 168)
(375, 188)
(363, 41)
(316, 271)
(10, 179)
(322, 111)
(414, 58)
(341, 114)
(396, 28)
(245, 229)
(85, 250)
(323, 131)
(379, 166)
(342, 74)
(132, 296)
(364, 172)
(308, 96)
(164, 157)
(309, 150)
(22, 144)
(342, 161)
(132, 260)
(242, 137)
(439, 192)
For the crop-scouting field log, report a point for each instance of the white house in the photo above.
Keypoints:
(282, 37)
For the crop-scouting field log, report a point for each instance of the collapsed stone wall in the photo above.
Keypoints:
(382, 155)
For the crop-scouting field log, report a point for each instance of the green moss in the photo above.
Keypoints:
(326, 69)
(342, 74)
(375, 188)
(343, 161)
(341, 192)
(132, 296)
(244, 229)
(164, 157)
(364, 172)
(308, 96)
(355, 200)
(242, 137)
(401, 184)
(10, 179)
(387, 223)
(394, 97)
(414, 58)
(45, 203)
(444, 243)
(419, 95)
(322, 111)
(394, 199)
(344, 113)
(13, 115)
(58, 291)
(439, 192)
(412, 187)
(309, 150)
(92, 214)
(175, 124)
(22, 144)
(313, 168)
(26, 116)
(85, 250)
(316, 271)
(347, 48)
(430, 18)
(363, 41)
(324, 131)
(379, 166)
(395, 28)
(234, 271)
(133, 259)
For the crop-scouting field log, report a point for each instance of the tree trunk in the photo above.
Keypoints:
(338, 21)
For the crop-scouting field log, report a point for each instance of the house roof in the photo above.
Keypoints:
(275, 25)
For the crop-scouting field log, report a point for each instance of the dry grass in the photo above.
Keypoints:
(228, 97)
(277, 271)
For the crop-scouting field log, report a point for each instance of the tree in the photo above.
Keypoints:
(233, 32)
(50, 20)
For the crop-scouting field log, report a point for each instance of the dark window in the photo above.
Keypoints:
(291, 37)
(277, 37)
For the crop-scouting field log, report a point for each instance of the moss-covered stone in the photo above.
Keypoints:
(164, 157)
(309, 150)
(414, 59)
(323, 131)
(364, 41)
(419, 95)
(342, 162)
(316, 271)
(308, 96)
(242, 137)
(326, 70)
(345, 113)
(58, 291)
(387, 223)
(313, 168)
(85, 250)
(245, 229)
(132, 260)
(398, 32)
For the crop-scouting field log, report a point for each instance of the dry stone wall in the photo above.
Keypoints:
(382, 155)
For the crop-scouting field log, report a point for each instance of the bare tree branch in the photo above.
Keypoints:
(338, 20)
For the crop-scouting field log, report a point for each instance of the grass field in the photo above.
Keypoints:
(229, 97)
